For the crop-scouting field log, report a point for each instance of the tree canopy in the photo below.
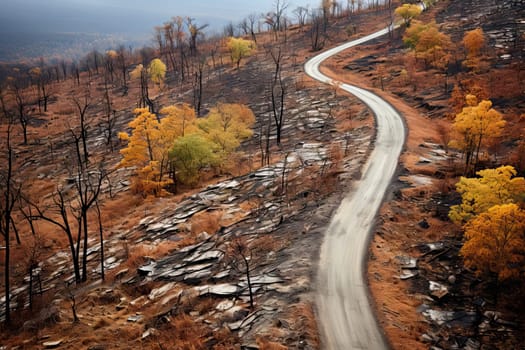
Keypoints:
(157, 71)
(176, 145)
(408, 12)
(147, 151)
(239, 48)
(473, 41)
(191, 153)
(227, 125)
(474, 128)
(492, 187)
(428, 43)
(495, 242)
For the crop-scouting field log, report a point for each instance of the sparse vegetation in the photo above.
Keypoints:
(190, 153)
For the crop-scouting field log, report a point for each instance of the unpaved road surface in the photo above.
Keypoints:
(345, 316)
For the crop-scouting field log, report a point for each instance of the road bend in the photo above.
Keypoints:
(345, 314)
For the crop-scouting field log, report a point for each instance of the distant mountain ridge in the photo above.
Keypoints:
(16, 47)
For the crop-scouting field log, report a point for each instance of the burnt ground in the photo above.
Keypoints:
(169, 274)
(166, 274)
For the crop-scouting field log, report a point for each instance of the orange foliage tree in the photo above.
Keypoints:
(473, 41)
(148, 150)
(429, 43)
(176, 146)
(474, 128)
(495, 242)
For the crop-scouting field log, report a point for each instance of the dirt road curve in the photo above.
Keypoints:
(345, 316)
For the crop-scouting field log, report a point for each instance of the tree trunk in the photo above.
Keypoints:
(101, 235)
(248, 278)
(84, 248)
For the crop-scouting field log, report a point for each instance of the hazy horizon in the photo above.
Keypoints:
(132, 17)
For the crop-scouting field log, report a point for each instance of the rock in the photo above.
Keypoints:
(199, 256)
(135, 318)
(196, 277)
(452, 279)
(424, 224)
(236, 313)
(472, 345)
(222, 274)
(265, 279)
(147, 269)
(149, 332)
(225, 305)
(407, 262)
(139, 301)
(52, 344)
(407, 274)
(463, 319)
(158, 292)
(224, 289)
(98, 347)
(170, 297)
(203, 236)
(425, 338)
(121, 306)
(438, 290)
(121, 274)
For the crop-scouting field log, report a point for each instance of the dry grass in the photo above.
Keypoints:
(181, 333)
(269, 345)
(304, 319)
(206, 221)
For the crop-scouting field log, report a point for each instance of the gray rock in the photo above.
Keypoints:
(223, 289)
(437, 289)
(135, 318)
(52, 344)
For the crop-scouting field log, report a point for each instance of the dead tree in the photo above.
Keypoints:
(277, 92)
(197, 83)
(9, 194)
(301, 13)
(22, 103)
(62, 207)
(244, 257)
(110, 115)
(101, 238)
(122, 65)
(195, 32)
(82, 107)
(34, 251)
(253, 19)
(88, 185)
(317, 30)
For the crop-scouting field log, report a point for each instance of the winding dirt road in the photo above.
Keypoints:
(346, 318)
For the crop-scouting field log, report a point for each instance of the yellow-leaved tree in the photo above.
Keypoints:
(157, 71)
(493, 187)
(149, 145)
(178, 120)
(428, 43)
(408, 12)
(176, 145)
(474, 128)
(227, 125)
(495, 242)
(144, 152)
(239, 48)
